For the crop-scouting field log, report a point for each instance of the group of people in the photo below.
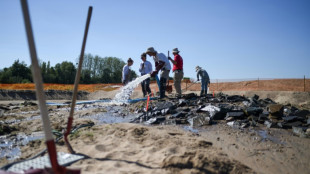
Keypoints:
(162, 64)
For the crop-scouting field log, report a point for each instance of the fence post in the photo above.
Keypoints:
(186, 85)
(304, 83)
(257, 83)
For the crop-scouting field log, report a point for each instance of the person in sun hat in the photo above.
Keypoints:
(205, 80)
(178, 71)
(126, 72)
(145, 68)
(161, 64)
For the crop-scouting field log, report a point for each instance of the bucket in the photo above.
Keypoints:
(169, 88)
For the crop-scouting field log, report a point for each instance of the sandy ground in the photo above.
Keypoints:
(134, 148)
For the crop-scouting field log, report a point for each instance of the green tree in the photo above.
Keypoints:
(17, 73)
(65, 72)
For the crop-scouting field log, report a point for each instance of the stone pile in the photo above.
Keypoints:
(237, 111)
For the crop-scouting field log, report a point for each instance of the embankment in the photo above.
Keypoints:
(50, 95)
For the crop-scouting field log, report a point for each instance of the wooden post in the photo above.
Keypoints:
(186, 84)
(304, 83)
(257, 83)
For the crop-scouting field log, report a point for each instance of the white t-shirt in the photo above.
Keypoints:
(126, 70)
(162, 57)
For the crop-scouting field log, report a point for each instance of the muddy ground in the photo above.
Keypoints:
(116, 146)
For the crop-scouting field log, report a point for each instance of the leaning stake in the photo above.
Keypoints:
(76, 82)
(36, 74)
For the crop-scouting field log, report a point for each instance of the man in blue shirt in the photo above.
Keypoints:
(205, 80)
(145, 68)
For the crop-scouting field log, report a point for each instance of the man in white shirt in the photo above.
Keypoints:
(126, 72)
(161, 63)
(145, 68)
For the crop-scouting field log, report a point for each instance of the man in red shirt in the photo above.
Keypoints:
(178, 71)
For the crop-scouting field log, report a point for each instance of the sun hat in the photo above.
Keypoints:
(175, 50)
(198, 68)
(150, 50)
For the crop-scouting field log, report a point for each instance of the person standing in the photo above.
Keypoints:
(178, 71)
(205, 80)
(161, 63)
(145, 68)
(126, 75)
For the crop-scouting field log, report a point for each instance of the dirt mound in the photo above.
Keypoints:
(127, 147)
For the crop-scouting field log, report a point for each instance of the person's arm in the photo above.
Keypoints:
(172, 61)
(198, 75)
(160, 65)
(141, 67)
(150, 67)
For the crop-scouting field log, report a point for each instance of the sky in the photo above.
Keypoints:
(231, 39)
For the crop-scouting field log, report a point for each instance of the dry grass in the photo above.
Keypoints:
(64, 87)
(261, 85)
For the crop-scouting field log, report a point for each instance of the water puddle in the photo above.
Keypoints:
(10, 146)
(266, 137)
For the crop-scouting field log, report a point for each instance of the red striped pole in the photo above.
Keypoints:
(76, 82)
(36, 74)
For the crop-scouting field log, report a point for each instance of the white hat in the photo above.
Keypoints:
(150, 50)
(198, 68)
(175, 50)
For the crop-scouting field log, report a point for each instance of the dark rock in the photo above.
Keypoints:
(302, 113)
(255, 97)
(186, 110)
(253, 111)
(292, 124)
(199, 120)
(229, 119)
(5, 108)
(308, 121)
(182, 103)
(289, 118)
(181, 121)
(299, 131)
(170, 122)
(270, 124)
(275, 111)
(190, 96)
(283, 125)
(235, 114)
(177, 115)
(236, 98)
(155, 120)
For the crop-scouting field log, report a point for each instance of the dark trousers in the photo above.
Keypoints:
(145, 84)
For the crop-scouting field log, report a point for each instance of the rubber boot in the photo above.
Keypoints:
(201, 93)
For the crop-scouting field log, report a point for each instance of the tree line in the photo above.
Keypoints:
(95, 69)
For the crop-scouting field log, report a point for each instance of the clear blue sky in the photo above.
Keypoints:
(231, 39)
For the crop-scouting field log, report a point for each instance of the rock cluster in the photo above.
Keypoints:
(238, 111)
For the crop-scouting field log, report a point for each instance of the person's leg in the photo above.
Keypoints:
(164, 76)
(143, 88)
(178, 76)
(203, 81)
(206, 88)
(147, 86)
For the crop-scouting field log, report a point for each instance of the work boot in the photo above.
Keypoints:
(201, 93)
(205, 92)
